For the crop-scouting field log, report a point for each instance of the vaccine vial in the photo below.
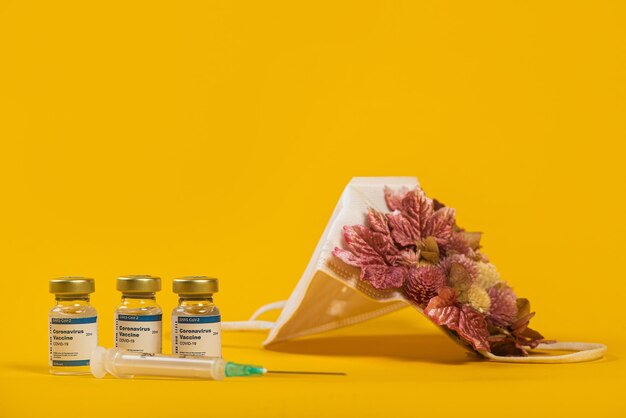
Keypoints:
(72, 326)
(196, 321)
(138, 318)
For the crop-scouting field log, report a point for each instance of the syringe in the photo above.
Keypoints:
(125, 364)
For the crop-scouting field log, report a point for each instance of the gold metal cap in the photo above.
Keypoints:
(195, 285)
(72, 285)
(138, 284)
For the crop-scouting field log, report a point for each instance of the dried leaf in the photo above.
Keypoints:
(410, 257)
(461, 270)
(347, 257)
(370, 247)
(384, 277)
(459, 276)
(437, 204)
(418, 209)
(429, 250)
(431, 257)
(430, 244)
(472, 239)
(383, 245)
(446, 296)
(467, 322)
(376, 255)
(532, 334)
(358, 241)
(521, 324)
(378, 221)
(523, 307)
(508, 348)
(402, 230)
(417, 218)
(393, 198)
(439, 225)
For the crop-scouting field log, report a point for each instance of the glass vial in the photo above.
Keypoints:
(196, 321)
(138, 318)
(72, 326)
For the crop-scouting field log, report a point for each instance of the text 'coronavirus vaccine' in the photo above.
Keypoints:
(196, 321)
(72, 326)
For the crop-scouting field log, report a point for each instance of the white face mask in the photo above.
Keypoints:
(330, 293)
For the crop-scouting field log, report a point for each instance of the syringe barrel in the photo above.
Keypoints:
(125, 364)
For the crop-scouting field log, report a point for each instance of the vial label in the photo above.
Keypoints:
(72, 340)
(197, 335)
(138, 333)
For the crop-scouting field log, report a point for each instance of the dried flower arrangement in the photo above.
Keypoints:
(419, 250)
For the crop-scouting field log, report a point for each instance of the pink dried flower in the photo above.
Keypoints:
(503, 308)
(423, 283)
(458, 245)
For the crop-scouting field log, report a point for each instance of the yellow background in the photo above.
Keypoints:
(175, 138)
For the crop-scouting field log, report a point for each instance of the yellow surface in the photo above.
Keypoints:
(215, 138)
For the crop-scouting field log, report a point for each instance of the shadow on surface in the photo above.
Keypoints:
(413, 347)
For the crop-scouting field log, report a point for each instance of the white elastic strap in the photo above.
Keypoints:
(253, 324)
(583, 352)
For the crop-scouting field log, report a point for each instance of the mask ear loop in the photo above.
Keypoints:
(253, 324)
(583, 352)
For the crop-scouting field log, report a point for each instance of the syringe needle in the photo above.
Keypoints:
(305, 372)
